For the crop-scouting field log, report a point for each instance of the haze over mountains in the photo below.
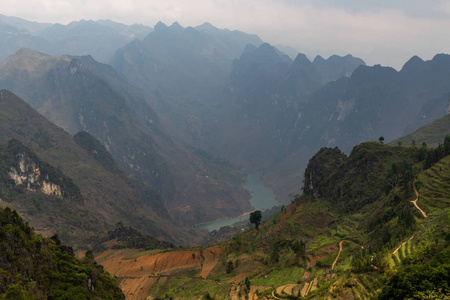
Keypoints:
(103, 195)
(183, 111)
(117, 136)
(97, 38)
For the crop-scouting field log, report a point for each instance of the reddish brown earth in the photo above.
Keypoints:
(137, 273)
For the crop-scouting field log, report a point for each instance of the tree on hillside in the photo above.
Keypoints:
(381, 139)
(255, 218)
(299, 248)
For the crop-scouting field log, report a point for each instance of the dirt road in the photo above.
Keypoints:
(339, 253)
(415, 201)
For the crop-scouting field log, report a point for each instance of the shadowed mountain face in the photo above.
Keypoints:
(374, 101)
(268, 94)
(81, 198)
(187, 69)
(245, 109)
(378, 101)
(65, 91)
(78, 93)
(182, 62)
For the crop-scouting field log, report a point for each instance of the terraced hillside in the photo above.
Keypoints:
(346, 237)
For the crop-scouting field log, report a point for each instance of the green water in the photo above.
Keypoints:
(261, 198)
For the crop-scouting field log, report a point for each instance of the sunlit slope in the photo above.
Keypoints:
(344, 238)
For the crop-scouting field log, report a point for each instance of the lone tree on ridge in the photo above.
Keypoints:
(255, 218)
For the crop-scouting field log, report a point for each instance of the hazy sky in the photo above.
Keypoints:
(386, 32)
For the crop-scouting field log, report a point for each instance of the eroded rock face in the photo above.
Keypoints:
(27, 171)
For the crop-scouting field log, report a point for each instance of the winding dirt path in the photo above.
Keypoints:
(415, 201)
(339, 253)
(417, 206)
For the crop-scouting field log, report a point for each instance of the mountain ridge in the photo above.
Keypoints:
(107, 196)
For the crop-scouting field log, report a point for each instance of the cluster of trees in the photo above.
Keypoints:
(364, 260)
(421, 281)
(298, 247)
(33, 267)
(431, 156)
(399, 174)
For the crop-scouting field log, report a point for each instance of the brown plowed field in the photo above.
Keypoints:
(137, 273)
(137, 288)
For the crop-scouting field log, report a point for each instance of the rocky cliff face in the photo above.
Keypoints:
(27, 171)
(320, 167)
(354, 181)
(30, 174)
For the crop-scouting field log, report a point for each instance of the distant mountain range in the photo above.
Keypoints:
(99, 39)
(183, 111)
(80, 94)
(120, 136)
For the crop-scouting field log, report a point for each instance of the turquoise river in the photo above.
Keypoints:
(261, 198)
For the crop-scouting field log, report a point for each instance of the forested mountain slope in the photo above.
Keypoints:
(34, 267)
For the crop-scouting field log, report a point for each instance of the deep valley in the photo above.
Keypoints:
(204, 163)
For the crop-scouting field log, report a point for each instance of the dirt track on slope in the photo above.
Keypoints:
(415, 201)
(339, 253)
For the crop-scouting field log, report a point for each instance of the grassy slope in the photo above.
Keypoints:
(432, 134)
(369, 235)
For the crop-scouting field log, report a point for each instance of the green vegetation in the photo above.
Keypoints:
(362, 203)
(431, 134)
(129, 237)
(38, 268)
(255, 218)
(421, 281)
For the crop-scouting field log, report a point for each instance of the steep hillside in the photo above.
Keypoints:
(187, 69)
(80, 94)
(363, 223)
(106, 197)
(71, 96)
(374, 101)
(240, 105)
(34, 267)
